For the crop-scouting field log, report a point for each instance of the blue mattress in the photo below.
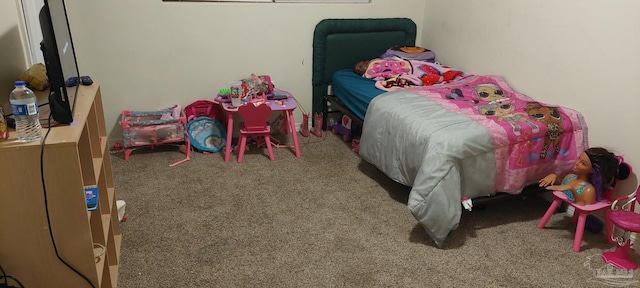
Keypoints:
(354, 91)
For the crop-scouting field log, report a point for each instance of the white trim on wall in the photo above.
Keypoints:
(31, 10)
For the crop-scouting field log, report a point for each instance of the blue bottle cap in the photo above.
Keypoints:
(20, 83)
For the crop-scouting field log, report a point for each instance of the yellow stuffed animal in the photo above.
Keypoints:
(36, 77)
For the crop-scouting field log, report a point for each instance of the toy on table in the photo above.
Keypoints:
(258, 98)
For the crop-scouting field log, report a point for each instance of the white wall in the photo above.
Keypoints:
(148, 54)
(583, 54)
(13, 60)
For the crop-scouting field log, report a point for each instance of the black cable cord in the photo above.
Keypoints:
(46, 205)
(5, 277)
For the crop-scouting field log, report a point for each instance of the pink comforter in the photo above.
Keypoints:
(524, 131)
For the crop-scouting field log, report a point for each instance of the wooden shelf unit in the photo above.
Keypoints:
(74, 156)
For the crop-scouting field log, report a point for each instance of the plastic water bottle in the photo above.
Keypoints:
(25, 110)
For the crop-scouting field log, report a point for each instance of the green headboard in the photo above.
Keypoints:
(340, 43)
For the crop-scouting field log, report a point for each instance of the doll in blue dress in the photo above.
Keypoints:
(593, 173)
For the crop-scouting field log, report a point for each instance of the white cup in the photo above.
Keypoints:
(236, 101)
(236, 93)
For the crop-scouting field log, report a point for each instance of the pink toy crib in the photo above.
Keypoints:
(154, 128)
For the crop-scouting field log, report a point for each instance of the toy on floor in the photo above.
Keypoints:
(624, 218)
(343, 128)
(207, 135)
(154, 128)
(610, 169)
(116, 147)
(278, 126)
(355, 145)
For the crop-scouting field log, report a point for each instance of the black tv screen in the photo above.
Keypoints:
(60, 60)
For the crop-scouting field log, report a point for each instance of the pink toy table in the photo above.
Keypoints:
(286, 106)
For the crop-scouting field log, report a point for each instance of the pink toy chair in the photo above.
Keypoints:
(581, 211)
(625, 218)
(255, 123)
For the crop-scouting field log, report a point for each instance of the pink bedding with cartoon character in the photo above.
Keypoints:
(469, 138)
(524, 131)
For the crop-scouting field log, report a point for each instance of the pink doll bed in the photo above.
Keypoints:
(154, 128)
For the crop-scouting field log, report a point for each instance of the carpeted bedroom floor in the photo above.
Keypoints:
(327, 219)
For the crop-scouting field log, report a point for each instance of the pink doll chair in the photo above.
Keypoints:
(624, 217)
(581, 211)
(255, 124)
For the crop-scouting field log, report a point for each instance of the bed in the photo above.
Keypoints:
(339, 43)
(454, 144)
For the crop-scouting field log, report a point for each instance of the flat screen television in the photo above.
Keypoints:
(60, 60)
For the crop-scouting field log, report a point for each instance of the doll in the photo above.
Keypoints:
(593, 173)
(361, 67)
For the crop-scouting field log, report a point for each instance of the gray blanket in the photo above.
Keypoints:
(441, 154)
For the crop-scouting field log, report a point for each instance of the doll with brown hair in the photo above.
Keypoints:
(593, 173)
(361, 67)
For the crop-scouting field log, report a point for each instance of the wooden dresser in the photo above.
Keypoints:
(32, 219)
